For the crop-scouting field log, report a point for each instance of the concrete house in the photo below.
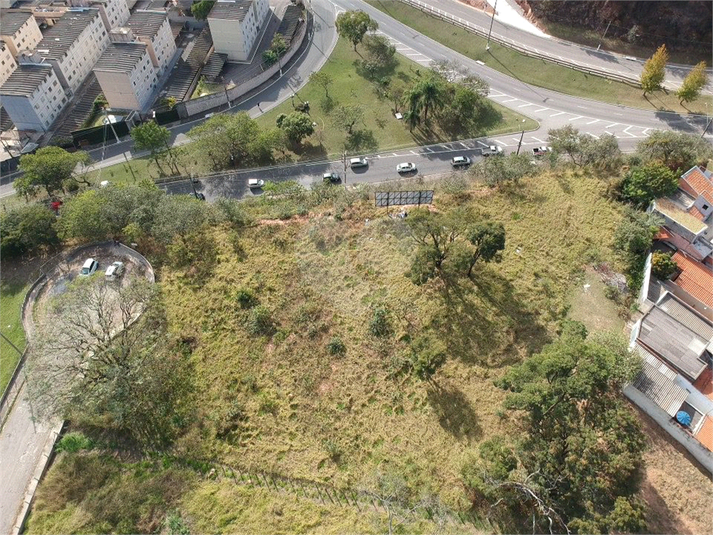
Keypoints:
(236, 26)
(19, 31)
(154, 30)
(33, 97)
(127, 75)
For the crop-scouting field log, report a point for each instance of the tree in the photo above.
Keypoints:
(505, 170)
(692, 84)
(379, 50)
(346, 117)
(575, 464)
(643, 184)
(50, 168)
(635, 234)
(663, 266)
(676, 150)
(153, 138)
(25, 228)
(583, 150)
(488, 240)
(426, 95)
(353, 25)
(322, 79)
(200, 10)
(103, 356)
(428, 354)
(296, 125)
(654, 71)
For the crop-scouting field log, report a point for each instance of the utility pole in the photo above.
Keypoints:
(495, 8)
(521, 136)
(111, 125)
(344, 163)
(603, 35)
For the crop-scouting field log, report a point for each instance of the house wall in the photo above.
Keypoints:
(162, 47)
(129, 91)
(236, 39)
(114, 13)
(36, 112)
(7, 64)
(26, 38)
(695, 448)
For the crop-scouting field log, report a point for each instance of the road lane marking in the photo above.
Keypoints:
(525, 105)
(575, 118)
(594, 121)
(557, 114)
(463, 145)
(609, 126)
(511, 100)
(483, 144)
(540, 110)
(501, 143)
(626, 131)
(538, 139)
(595, 137)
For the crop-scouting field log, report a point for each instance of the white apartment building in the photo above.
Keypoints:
(33, 97)
(74, 44)
(127, 75)
(154, 29)
(236, 25)
(19, 31)
(7, 63)
(115, 13)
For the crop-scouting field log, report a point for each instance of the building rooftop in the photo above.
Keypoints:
(121, 57)
(695, 278)
(673, 342)
(670, 210)
(699, 182)
(230, 9)
(657, 382)
(146, 23)
(25, 80)
(11, 21)
(685, 315)
(60, 37)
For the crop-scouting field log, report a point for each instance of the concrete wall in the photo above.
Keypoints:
(201, 105)
(7, 64)
(695, 448)
(118, 90)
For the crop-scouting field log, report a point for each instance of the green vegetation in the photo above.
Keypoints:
(50, 169)
(353, 25)
(692, 84)
(12, 294)
(643, 184)
(654, 71)
(200, 10)
(663, 266)
(530, 70)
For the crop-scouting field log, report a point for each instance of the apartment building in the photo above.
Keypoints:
(114, 13)
(154, 30)
(236, 25)
(74, 44)
(127, 75)
(33, 97)
(7, 63)
(19, 31)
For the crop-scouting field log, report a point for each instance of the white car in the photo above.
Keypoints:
(255, 183)
(114, 271)
(406, 167)
(332, 177)
(89, 267)
(460, 161)
(358, 162)
(492, 150)
(541, 151)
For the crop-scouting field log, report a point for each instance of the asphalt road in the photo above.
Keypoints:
(556, 48)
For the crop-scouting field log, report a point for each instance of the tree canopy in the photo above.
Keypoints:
(643, 184)
(654, 70)
(582, 149)
(576, 464)
(200, 10)
(296, 125)
(152, 137)
(353, 25)
(692, 84)
(26, 228)
(676, 150)
(50, 168)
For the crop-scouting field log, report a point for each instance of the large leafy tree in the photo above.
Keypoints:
(322, 79)
(506, 170)
(353, 25)
(676, 150)
(51, 169)
(654, 71)
(692, 84)
(296, 125)
(426, 95)
(575, 465)
(642, 184)
(345, 117)
(200, 10)
(583, 150)
(26, 228)
(152, 137)
(379, 50)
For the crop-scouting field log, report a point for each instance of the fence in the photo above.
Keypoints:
(203, 104)
(631, 79)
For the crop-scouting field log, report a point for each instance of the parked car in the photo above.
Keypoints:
(332, 177)
(406, 167)
(200, 196)
(460, 161)
(255, 183)
(540, 151)
(89, 267)
(358, 162)
(114, 271)
(492, 150)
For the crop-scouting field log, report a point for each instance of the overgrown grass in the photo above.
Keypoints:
(12, 294)
(380, 129)
(534, 71)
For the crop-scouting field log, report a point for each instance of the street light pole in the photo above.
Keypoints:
(495, 8)
(521, 136)
(344, 163)
(603, 35)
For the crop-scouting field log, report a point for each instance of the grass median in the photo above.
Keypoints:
(535, 71)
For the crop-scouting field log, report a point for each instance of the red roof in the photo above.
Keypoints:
(695, 278)
(705, 433)
(695, 212)
(698, 183)
(662, 234)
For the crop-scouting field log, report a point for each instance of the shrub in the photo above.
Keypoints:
(336, 346)
(246, 298)
(380, 324)
(74, 442)
(260, 321)
(662, 265)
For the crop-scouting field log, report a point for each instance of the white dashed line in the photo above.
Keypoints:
(511, 100)
(540, 110)
(595, 137)
(537, 139)
(525, 105)
(500, 143)
(464, 145)
(594, 121)
(481, 143)
(609, 126)
(557, 114)
(575, 118)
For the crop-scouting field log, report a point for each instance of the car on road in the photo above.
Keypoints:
(406, 167)
(255, 183)
(460, 161)
(89, 267)
(358, 162)
(114, 271)
(541, 151)
(331, 178)
(492, 150)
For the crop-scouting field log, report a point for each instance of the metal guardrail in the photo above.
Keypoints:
(523, 49)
